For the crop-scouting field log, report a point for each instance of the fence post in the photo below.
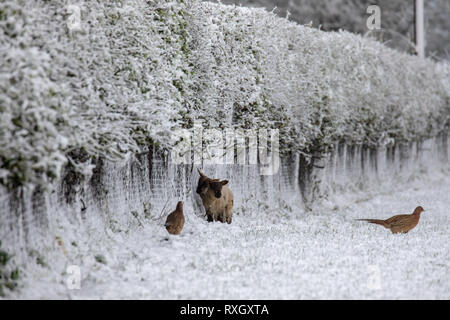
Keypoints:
(419, 30)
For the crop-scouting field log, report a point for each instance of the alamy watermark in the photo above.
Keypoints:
(73, 280)
(374, 20)
(213, 147)
(374, 277)
(73, 18)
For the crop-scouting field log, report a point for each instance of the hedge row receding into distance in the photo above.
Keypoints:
(105, 79)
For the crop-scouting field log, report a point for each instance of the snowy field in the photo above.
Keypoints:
(324, 254)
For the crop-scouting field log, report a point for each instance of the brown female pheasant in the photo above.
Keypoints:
(401, 223)
(175, 221)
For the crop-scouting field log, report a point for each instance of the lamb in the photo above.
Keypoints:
(217, 198)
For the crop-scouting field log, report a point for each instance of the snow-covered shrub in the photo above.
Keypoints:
(316, 87)
(138, 70)
(104, 91)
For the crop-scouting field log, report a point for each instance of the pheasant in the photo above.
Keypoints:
(175, 221)
(401, 223)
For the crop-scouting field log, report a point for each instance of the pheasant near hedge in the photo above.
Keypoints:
(175, 221)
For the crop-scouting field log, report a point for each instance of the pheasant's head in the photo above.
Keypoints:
(180, 206)
(418, 210)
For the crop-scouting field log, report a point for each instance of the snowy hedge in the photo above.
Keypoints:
(137, 70)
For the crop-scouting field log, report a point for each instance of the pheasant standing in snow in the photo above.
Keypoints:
(401, 223)
(175, 221)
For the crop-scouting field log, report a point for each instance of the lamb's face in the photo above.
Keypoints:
(216, 186)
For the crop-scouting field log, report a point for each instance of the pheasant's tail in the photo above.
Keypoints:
(376, 221)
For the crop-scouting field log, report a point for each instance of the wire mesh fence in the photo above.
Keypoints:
(123, 196)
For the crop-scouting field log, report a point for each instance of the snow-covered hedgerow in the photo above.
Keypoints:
(137, 70)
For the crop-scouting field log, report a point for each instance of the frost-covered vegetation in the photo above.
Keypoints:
(137, 70)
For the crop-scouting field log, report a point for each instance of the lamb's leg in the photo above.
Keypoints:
(229, 213)
(210, 216)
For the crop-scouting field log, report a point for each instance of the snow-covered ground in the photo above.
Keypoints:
(324, 254)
